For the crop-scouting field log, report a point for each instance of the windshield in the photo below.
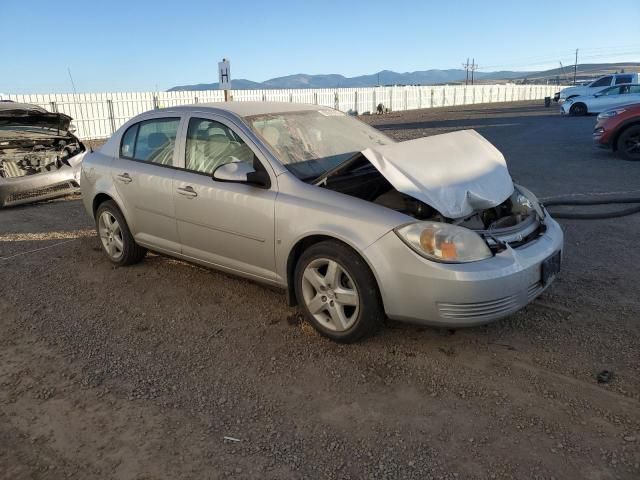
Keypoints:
(312, 142)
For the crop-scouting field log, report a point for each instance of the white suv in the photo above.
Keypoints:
(598, 85)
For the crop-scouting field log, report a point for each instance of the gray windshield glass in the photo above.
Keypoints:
(312, 142)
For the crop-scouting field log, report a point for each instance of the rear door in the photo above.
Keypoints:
(617, 97)
(229, 225)
(634, 94)
(144, 174)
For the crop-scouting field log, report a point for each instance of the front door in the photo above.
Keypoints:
(230, 225)
(144, 176)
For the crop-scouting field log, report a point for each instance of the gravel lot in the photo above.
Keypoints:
(141, 372)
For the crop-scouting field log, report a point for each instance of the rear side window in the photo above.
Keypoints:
(634, 89)
(623, 79)
(151, 141)
(610, 91)
(603, 82)
(127, 146)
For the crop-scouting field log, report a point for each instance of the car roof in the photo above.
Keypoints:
(247, 109)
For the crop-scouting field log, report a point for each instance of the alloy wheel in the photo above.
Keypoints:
(632, 146)
(330, 294)
(110, 235)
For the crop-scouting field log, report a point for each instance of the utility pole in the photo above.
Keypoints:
(466, 69)
(474, 67)
(575, 68)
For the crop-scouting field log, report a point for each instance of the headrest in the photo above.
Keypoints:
(157, 140)
(271, 135)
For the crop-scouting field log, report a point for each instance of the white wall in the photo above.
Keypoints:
(98, 115)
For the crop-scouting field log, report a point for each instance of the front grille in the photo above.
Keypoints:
(478, 309)
(515, 237)
(41, 192)
(490, 308)
(534, 290)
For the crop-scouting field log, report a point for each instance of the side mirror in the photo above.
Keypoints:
(241, 172)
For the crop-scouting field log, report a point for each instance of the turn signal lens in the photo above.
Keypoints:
(448, 251)
(444, 242)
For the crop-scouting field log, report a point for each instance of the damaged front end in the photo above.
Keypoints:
(457, 186)
(39, 156)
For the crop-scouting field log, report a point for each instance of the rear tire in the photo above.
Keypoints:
(115, 237)
(578, 109)
(337, 292)
(628, 145)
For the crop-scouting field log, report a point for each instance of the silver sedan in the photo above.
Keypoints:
(606, 99)
(354, 226)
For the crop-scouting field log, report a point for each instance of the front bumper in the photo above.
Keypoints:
(32, 188)
(600, 140)
(565, 107)
(459, 295)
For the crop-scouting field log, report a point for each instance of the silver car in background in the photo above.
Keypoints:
(606, 99)
(355, 226)
(39, 155)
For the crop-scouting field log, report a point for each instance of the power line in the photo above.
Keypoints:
(466, 69)
(566, 55)
(474, 67)
(469, 67)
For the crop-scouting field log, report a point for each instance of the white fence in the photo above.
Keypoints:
(98, 115)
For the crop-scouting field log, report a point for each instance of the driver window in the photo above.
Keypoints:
(211, 144)
(603, 82)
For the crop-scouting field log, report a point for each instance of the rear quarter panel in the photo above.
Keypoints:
(96, 179)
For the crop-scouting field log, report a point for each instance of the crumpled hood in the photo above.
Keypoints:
(25, 114)
(456, 173)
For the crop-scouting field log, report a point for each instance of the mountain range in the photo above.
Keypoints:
(424, 77)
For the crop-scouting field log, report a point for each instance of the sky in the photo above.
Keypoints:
(142, 45)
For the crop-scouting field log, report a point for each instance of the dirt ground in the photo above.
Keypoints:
(141, 372)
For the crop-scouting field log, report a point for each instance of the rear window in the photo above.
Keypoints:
(151, 141)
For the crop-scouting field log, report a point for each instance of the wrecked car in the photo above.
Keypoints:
(354, 226)
(39, 155)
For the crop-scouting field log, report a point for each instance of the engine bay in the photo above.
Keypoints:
(21, 158)
(514, 221)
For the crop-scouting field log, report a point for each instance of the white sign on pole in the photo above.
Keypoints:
(224, 74)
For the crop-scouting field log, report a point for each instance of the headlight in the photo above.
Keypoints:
(443, 242)
(611, 113)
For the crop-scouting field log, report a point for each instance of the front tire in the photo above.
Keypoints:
(628, 145)
(115, 237)
(338, 292)
(578, 109)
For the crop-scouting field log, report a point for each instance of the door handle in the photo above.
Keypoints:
(124, 178)
(188, 191)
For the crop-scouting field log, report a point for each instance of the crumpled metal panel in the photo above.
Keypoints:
(456, 173)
